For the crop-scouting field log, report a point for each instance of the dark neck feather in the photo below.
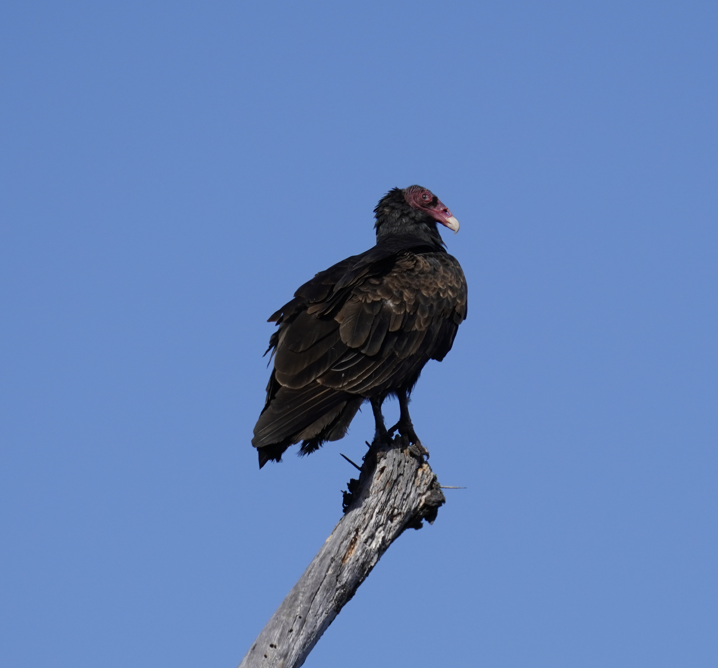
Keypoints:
(395, 218)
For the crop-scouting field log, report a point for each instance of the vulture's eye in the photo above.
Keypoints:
(425, 197)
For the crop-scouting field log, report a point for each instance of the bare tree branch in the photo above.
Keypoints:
(395, 491)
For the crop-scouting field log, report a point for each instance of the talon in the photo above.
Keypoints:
(409, 439)
(419, 451)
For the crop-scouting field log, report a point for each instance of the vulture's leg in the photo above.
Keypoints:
(405, 427)
(381, 434)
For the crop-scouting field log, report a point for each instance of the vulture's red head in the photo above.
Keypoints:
(422, 199)
(413, 211)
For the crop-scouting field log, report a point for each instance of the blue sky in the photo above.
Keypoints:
(171, 172)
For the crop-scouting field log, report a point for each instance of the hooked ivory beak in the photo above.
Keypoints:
(451, 223)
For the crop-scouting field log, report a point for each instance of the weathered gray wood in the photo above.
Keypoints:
(395, 491)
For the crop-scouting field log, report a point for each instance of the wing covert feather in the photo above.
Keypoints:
(368, 324)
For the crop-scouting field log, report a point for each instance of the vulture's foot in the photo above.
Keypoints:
(410, 440)
(381, 435)
(419, 451)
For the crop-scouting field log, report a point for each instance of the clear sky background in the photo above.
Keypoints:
(171, 172)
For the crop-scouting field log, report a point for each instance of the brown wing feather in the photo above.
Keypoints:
(412, 310)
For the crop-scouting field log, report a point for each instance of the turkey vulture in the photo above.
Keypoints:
(364, 329)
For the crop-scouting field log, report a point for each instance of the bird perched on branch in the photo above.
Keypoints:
(363, 330)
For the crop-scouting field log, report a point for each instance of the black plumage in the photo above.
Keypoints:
(364, 329)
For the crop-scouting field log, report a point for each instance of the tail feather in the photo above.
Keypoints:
(312, 414)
